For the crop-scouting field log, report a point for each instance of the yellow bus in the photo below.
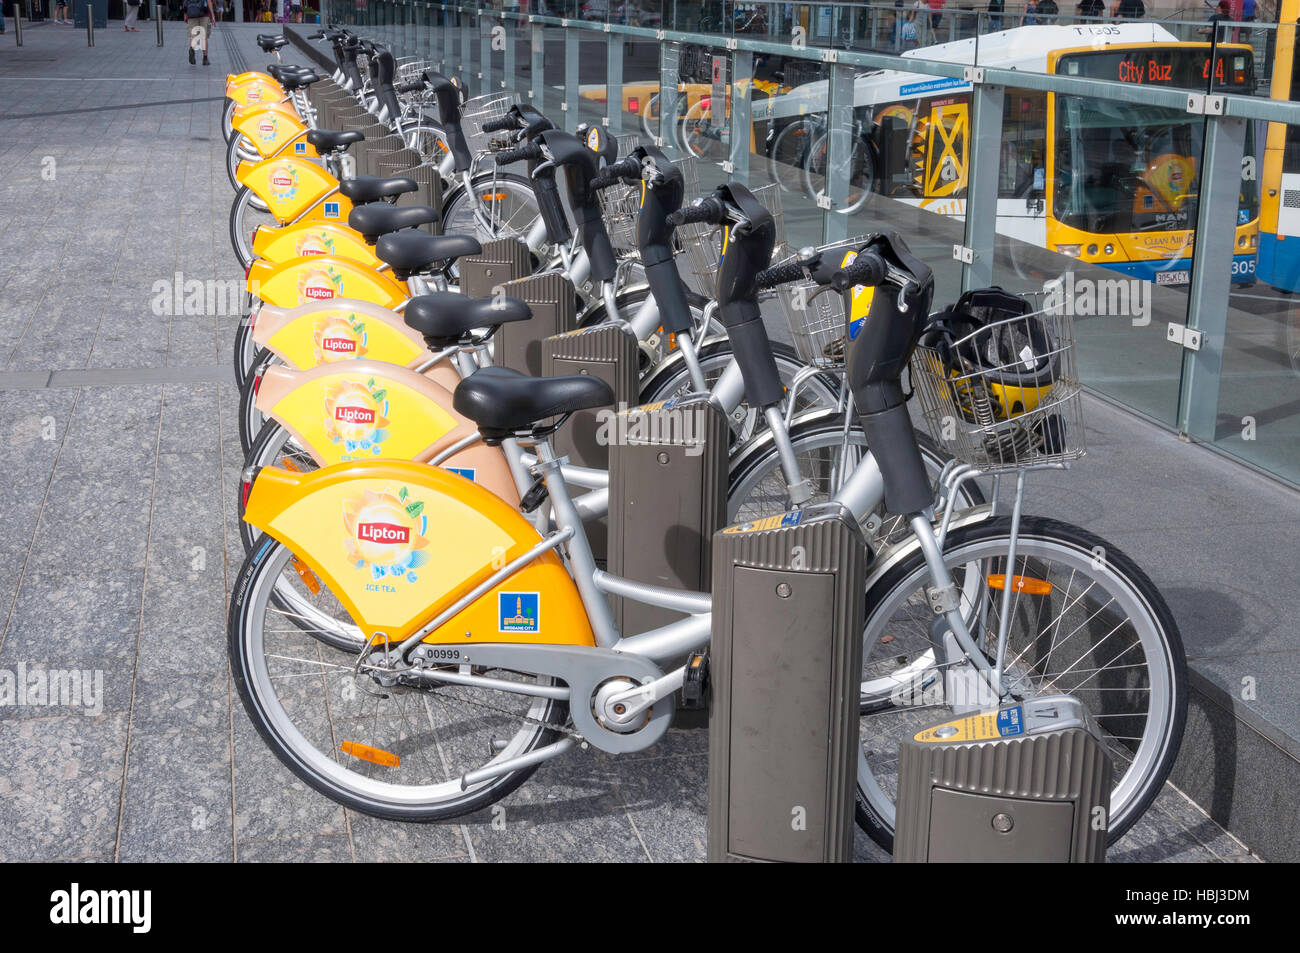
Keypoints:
(1279, 205)
(1110, 183)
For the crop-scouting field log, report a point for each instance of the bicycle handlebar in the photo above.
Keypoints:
(529, 150)
(709, 210)
(411, 87)
(869, 268)
(500, 125)
(613, 174)
(779, 275)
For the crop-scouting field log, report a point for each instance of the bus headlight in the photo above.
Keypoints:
(1071, 250)
(1092, 249)
(1110, 249)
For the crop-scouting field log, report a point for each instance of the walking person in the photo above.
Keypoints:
(61, 17)
(132, 12)
(199, 16)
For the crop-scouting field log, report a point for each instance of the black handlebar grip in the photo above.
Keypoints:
(709, 211)
(499, 125)
(410, 87)
(779, 275)
(529, 150)
(867, 269)
(316, 36)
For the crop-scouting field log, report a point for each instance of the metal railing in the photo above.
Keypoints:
(536, 52)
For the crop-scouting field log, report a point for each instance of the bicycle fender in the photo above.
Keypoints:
(312, 238)
(271, 130)
(363, 410)
(294, 188)
(341, 329)
(253, 89)
(398, 543)
(322, 278)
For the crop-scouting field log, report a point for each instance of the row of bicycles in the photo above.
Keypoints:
(422, 617)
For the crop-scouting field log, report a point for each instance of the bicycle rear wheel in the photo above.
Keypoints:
(1097, 630)
(371, 741)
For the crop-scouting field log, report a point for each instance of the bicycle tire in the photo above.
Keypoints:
(268, 557)
(1084, 545)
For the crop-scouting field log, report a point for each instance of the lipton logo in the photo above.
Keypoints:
(255, 94)
(388, 533)
(354, 415)
(283, 182)
(267, 128)
(319, 293)
(338, 345)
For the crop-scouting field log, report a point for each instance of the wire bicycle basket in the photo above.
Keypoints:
(479, 110)
(619, 203)
(817, 323)
(1002, 394)
(698, 243)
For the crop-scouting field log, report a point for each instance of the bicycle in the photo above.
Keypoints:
(497, 616)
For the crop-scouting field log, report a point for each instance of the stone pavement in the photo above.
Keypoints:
(121, 459)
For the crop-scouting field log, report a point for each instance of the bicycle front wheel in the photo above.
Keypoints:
(499, 205)
(370, 740)
(1095, 628)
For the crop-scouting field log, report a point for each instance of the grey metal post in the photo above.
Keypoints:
(982, 187)
(537, 56)
(742, 92)
(485, 51)
(1211, 279)
(466, 45)
(572, 60)
(447, 33)
(614, 83)
(839, 154)
(158, 20)
(669, 66)
(90, 24)
(18, 24)
(508, 72)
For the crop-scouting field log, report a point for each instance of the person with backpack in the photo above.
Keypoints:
(199, 17)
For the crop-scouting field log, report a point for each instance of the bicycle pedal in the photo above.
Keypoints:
(534, 497)
(695, 683)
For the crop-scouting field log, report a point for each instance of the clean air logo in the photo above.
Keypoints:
(102, 907)
(383, 533)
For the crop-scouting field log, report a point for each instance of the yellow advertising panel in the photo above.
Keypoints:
(397, 543)
(340, 330)
(321, 278)
(307, 238)
(293, 187)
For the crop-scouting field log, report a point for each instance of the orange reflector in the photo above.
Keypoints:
(307, 576)
(494, 197)
(1034, 587)
(374, 755)
(289, 465)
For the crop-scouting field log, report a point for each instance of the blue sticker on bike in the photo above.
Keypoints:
(519, 612)
(1011, 721)
(331, 209)
(300, 148)
(466, 472)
